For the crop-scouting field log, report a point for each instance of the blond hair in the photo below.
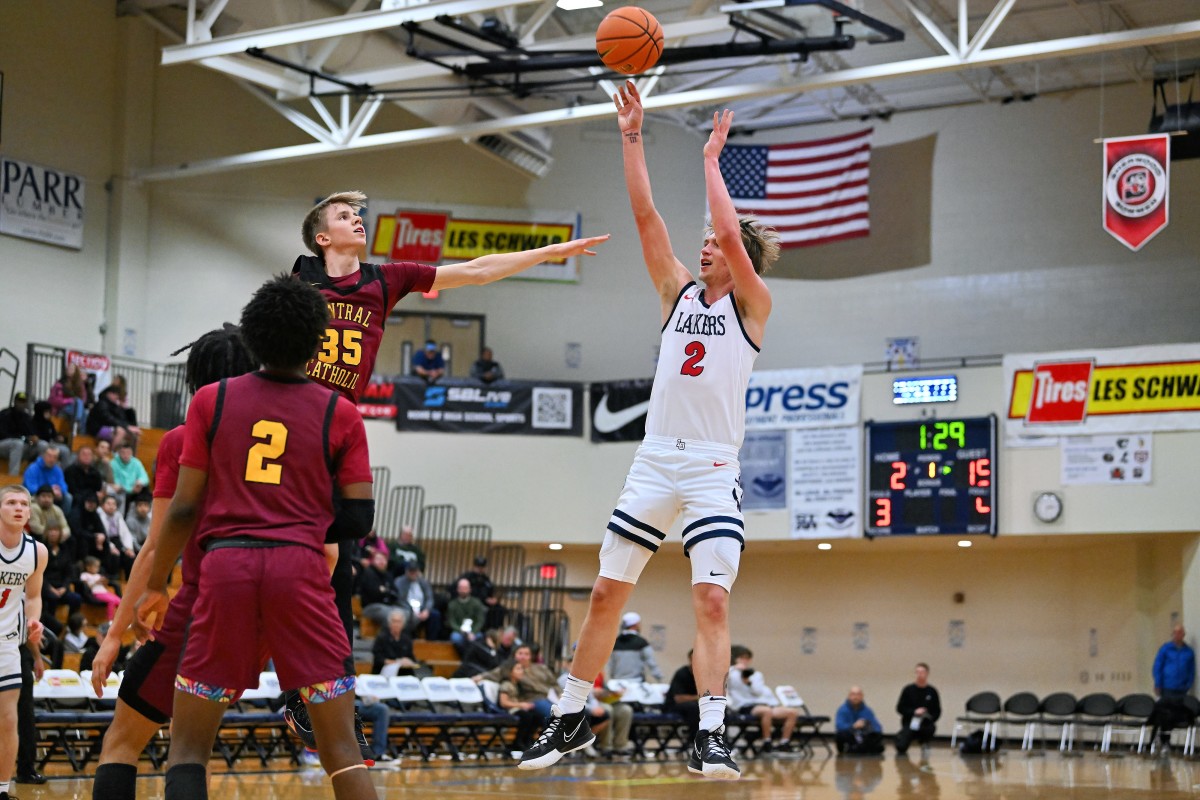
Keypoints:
(14, 488)
(314, 220)
(761, 242)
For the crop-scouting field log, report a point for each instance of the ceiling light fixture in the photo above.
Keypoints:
(575, 5)
(964, 542)
(824, 546)
(554, 546)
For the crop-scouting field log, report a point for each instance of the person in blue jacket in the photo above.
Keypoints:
(858, 730)
(1174, 666)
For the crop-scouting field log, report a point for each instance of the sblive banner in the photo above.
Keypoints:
(804, 398)
(1137, 171)
(1121, 390)
(541, 409)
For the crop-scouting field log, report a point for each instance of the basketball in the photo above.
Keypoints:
(629, 40)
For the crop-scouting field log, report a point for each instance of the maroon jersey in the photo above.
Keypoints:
(166, 476)
(277, 446)
(359, 305)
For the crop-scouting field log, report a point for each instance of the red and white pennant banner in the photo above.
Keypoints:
(1136, 187)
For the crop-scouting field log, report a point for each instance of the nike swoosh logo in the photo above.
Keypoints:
(568, 737)
(712, 574)
(606, 421)
(720, 463)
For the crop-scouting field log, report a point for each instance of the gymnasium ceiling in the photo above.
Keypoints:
(472, 70)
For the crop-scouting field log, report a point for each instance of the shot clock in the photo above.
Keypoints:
(931, 476)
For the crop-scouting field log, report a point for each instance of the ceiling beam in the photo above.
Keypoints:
(1011, 54)
(327, 28)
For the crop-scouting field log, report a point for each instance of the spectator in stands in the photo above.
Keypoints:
(480, 655)
(632, 656)
(89, 652)
(393, 649)
(83, 476)
(371, 710)
(406, 550)
(104, 458)
(683, 698)
(76, 639)
(43, 513)
(45, 471)
(123, 398)
(483, 588)
(129, 473)
(48, 435)
(414, 592)
(58, 579)
(367, 547)
(1174, 666)
(858, 730)
(138, 518)
(85, 524)
(69, 397)
(511, 675)
(919, 708)
(486, 368)
(98, 586)
(118, 533)
(16, 432)
(535, 684)
(749, 694)
(109, 420)
(428, 363)
(375, 589)
(465, 616)
(507, 644)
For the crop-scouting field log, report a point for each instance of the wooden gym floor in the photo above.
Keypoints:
(945, 775)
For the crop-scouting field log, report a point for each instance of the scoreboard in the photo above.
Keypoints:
(931, 476)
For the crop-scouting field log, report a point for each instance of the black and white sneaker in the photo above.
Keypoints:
(564, 734)
(368, 755)
(295, 714)
(710, 756)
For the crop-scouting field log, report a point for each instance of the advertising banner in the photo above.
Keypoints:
(459, 406)
(1125, 390)
(41, 203)
(804, 398)
(1108, 459)
(764, 459)
(619, 410)
(826, 483)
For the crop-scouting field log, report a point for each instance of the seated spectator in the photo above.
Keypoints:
(534, 685)
(428, 363)
(858, 731)
(58, 580)
(486, 368)
(17, 433)
(109, 420)
(93, 647)
(43, 513)
(83, 476)
(683, 698)
(129, 473)
(97, 586)
(48, 435)
(138, 518)
(368, 545)
(507, 644)
(123, 399)
(529, 719)
(118, 533)
(104, 459)
(465, 615)
(483, 588)
(69, 397)
(45, 471)
(85, 524)
(919, 708)
(415, 593)
(480, 656)
(393, 648)
(632, 656)
(405, 551)
(748, 694)
(76, 639)
(375, 589)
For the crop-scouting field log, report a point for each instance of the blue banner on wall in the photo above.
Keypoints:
(764, 471)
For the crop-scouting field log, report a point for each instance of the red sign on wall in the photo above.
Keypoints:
(1060, 392)
(1136, 178)
(419, 237)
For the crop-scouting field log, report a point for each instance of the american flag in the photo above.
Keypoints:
(811, 192)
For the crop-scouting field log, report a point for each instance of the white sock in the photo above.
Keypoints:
(4, 786)
(712, 712)
(574, 696)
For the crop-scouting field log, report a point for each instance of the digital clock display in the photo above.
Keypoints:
(931, 476)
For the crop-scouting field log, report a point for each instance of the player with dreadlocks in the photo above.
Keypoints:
(147, 691)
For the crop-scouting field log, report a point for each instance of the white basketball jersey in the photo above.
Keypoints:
(16, 565)
(704, 364)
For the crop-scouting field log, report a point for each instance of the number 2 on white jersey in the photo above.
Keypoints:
(695, 354)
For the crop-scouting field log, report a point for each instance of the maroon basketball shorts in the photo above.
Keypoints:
(148, 686)
(272, 599)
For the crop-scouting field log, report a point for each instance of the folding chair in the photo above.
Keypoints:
(251, 726)
(1097, 711)
(1059, 709)
(651, 725)
(65, 719)
(481, 716)
(983, 707)
(1133, 717)
(808, 725)
(1022, 709)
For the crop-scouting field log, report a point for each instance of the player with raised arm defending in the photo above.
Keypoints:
(22, 564)
(360, 298)
(688, 462)
(264, 453)
(147, 692)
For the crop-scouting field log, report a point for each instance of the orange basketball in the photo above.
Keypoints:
(629, 40)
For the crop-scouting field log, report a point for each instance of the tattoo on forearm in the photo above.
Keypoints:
(632, 136)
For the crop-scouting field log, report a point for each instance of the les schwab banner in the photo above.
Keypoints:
(461, 233)
(1122, 390)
